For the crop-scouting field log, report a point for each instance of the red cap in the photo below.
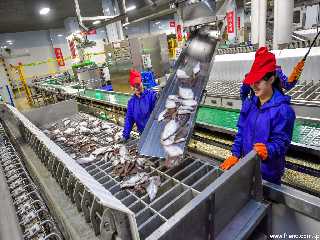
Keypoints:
(264, 62)
(135, 77)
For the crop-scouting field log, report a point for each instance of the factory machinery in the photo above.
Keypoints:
(195, 200)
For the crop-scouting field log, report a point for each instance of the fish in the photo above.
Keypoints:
(84, 130)
(69, 131)
(162, 115)
(84, 160)
(173, 151)
(66, 122)
(106, 125)
(182, 111)
(184, 107)
(182, 74)
(83, 124)
(196, 68)
(186, 93)
(170, 104)
(96, 130)
(96, 123)
(168, 141)
(135, 180)
(170, 128)
(56, 132)
(189, 102)
(99, 151)
(118, 136)
(61, 139)
(174, 98)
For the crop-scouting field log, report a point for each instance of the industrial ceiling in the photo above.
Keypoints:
(23, 15)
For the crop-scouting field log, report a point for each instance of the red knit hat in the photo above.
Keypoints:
(135, 77)
(264, 62)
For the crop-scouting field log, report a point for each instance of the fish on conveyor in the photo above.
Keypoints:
(186, 93)
(83, 124)
(196, 68)
(189, 102)
(99, 151)
(173, 150)
(85, 160)
(182, 74)
(137, 179)
(170, 128)
(174, 98)
(168, 141)
(66, 122)
(84, 130)
(69, 131)
(96, 130)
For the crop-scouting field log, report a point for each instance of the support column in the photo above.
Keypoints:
(5, 88)
(283, 20)
(262, 22)
(255, 21)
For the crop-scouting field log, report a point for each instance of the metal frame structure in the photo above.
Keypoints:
(216, 204)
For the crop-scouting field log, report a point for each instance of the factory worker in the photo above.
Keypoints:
(286, 83)
(139, 106)
(266, 120)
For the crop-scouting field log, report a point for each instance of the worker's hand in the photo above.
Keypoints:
(244, 92)
(261, 150)
(229, 162)
(296, 72)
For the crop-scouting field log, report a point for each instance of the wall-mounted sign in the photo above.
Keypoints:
(90, 32)
(172, 23)
(179, 33)
(59, 57)
(230, 22)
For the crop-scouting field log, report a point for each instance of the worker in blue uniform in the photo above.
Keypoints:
(139, 107)
(266, 120)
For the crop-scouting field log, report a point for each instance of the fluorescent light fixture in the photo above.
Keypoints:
(96, 22)
(133, 7)
(60, 35)
(4, 46)
(125, 24)
(157, 23)
(9, 41)
(44, 11)
(247, 3)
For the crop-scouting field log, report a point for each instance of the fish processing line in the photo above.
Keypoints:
(194, 189)
(32, 214)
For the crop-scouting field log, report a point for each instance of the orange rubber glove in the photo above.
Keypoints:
(261, 150)
(229, 162)
(296, 72)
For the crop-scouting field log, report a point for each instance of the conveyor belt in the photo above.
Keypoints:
(32, 212)
(179, 185)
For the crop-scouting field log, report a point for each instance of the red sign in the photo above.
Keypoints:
(179, 33)
(90, 32)
(59, 57)
(239, 26)
(230, 22)
(172, 23)
(72, 47)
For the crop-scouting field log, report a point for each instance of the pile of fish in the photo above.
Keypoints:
(82, 137)
(134, 170)
(88, 139)
(178, 109)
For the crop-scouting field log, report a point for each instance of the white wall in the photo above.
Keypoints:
(35, 46)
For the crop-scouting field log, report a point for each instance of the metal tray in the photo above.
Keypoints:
(200, 48)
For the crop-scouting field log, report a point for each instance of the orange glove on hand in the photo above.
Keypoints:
(297, 70)
(229, 162)
(261, 150)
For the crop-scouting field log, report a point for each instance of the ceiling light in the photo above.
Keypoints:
(44, 11)
(96, 22)
(9, 41)
(125, 24)
(60, 35)
(4, 46)
(131, 8)
(157, 23)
